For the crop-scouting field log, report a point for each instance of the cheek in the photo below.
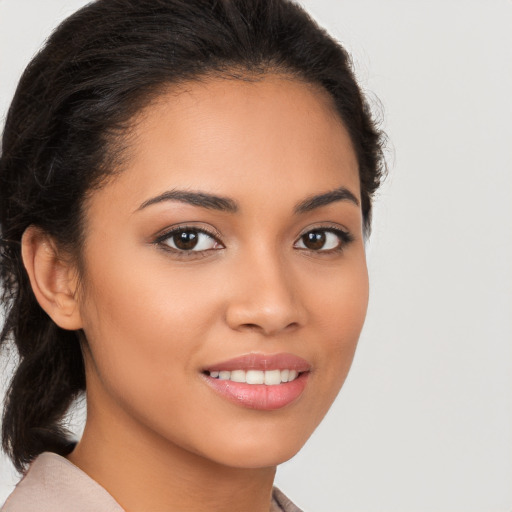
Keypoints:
(141, 295)
(143, 326)
(145, 331)
(340, 308)
(340, 299)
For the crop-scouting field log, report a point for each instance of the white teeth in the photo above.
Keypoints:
(268, 377)
(238, 376)
(272, 377)
(255, 377)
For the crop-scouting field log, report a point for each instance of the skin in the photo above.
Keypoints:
(157, 437)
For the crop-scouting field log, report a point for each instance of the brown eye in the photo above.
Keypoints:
(314, 240)
(189, 240)
(185, 240)
(324, 240)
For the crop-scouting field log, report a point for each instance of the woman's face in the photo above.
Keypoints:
(230, 249)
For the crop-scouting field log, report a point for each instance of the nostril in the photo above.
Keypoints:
(252, 327)
(260, 328)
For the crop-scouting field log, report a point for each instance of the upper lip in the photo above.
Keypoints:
(254, 361)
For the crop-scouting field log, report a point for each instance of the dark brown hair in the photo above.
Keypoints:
(61, 139)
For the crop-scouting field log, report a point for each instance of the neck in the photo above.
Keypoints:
(143, 471)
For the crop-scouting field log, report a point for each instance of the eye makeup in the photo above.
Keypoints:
(192, 241)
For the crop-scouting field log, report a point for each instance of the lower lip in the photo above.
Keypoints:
(260, 396)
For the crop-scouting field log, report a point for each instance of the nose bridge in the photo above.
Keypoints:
(264, 296)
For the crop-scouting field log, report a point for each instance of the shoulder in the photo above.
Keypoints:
(54, 484)
(281, 503)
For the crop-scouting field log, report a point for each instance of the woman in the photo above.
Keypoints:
(185, 192)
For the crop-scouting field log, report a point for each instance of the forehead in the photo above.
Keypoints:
(236, 138)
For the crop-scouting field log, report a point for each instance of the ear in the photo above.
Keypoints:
(52, 277)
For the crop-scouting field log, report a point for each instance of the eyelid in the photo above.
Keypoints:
(345, 235)
(166, 233)
(325, 226)
(182, 226)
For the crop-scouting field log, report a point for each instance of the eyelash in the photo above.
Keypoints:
(182, 253)
(344, 237)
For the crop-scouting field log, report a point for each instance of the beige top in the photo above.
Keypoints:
(53, 484)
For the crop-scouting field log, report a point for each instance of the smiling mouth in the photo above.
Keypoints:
(267, 377)
(259, 381)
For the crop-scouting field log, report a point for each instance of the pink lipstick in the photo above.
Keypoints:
(259, 381)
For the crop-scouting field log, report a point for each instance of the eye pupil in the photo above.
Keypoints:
(314, 240)
(185, 240)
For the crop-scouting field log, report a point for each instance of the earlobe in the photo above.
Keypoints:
(52, 278)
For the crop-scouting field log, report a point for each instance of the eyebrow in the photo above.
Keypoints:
(202, 199)
(313, 202)
(226, 204)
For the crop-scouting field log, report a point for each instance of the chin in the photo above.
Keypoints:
(259, 451)
(258, 458)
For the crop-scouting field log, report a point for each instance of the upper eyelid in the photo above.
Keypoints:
(327, 226)
(344, 235)
(188, 253)
(167, 232)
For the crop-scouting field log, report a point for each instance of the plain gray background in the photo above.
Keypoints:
(424, 422)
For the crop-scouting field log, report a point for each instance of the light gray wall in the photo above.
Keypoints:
(424, 422)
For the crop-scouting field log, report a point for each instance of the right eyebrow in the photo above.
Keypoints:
(202, 199)
(317, 201)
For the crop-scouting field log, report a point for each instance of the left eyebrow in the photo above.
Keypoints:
(201, 199)
(313, 202)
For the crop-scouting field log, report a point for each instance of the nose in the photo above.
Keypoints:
(265, 297)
